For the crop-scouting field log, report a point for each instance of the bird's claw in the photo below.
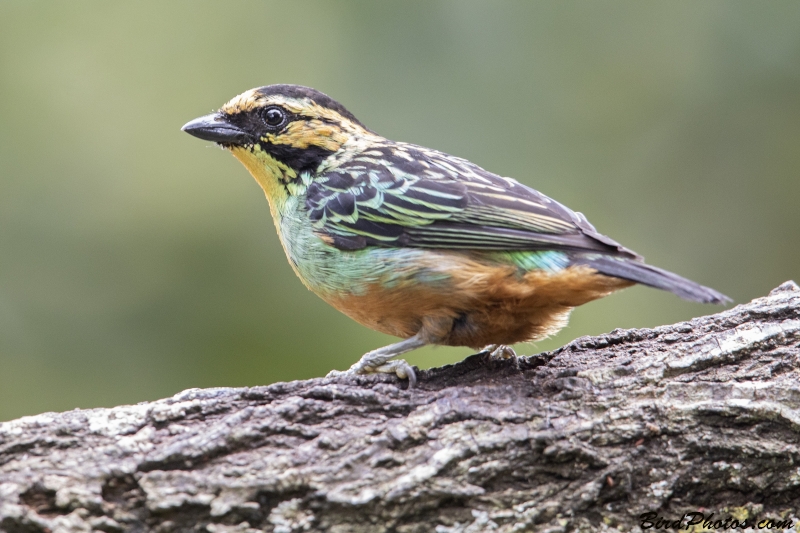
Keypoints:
(499, 351)
(398, 367)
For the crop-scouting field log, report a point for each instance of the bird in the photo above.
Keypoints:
(416, 243)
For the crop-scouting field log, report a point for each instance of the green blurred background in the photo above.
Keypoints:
(137, 261)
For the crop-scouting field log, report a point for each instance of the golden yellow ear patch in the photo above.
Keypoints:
(304, 133)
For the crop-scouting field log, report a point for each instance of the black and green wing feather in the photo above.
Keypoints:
(401, 195)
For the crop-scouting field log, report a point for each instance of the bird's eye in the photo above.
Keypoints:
(274, 116)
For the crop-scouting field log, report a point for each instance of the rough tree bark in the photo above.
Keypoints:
(701, 416)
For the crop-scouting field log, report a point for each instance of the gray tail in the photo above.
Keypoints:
(652, 277)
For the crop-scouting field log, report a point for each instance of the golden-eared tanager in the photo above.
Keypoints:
(414, 242)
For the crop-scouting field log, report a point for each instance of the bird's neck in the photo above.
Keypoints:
(279, 181)
(270, 174)
(356, 143)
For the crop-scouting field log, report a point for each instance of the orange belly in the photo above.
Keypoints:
(481, 303)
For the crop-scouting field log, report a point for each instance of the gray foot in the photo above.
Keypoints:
(398, 367)
(380, 361)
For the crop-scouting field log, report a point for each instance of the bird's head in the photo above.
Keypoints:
(280, 132)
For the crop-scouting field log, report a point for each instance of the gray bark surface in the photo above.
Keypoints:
(701, 415)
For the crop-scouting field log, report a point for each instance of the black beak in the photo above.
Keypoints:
(215, 127)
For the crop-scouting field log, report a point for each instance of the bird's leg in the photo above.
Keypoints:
(499, 351)
(379, 360)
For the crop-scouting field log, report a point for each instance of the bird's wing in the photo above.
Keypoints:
(404, 195)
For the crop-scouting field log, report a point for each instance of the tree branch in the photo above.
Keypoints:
(700, 416)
